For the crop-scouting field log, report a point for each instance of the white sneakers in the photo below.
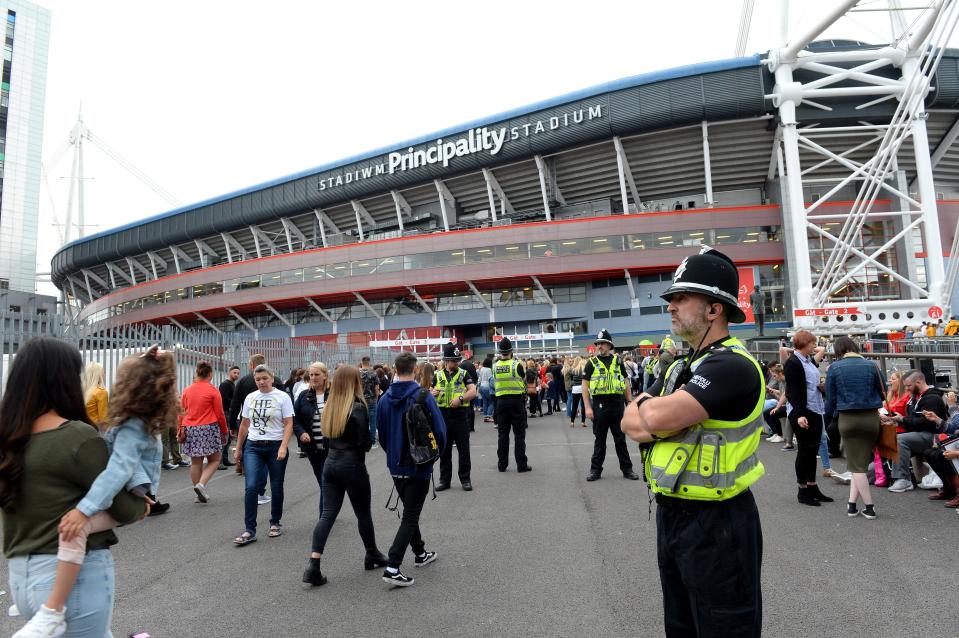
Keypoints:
(263, 499)
(201, 494)
(901, 485)
(775, 438)
(46, 623)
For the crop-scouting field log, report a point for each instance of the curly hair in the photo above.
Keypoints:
(145, 388)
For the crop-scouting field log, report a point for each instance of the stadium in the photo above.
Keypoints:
(556, 220)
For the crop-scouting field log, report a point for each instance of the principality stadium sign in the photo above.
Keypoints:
(476, 140)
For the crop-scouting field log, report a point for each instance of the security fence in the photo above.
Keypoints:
(109, 346)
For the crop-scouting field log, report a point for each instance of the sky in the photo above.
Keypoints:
(208, 97)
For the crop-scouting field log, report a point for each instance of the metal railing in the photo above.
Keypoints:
(113, 344)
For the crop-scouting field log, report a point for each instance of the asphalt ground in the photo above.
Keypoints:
(538, 554)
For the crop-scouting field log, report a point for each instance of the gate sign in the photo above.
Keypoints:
(935, 312)
(826, 312)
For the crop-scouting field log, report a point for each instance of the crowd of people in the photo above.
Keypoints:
(818, 404)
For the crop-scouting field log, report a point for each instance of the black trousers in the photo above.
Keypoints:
(772, 420)
(760, 321)
(607, 413)
(317, 458)
(535, 405)
(807, 445)
(943, 468)
(412, 493)
(511, 415)
(345, 474)
(710, 557)
(458, 434)
(578, 404)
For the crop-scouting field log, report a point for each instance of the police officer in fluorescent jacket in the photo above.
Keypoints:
(700, 424)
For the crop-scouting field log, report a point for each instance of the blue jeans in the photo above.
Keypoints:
(824, 450)
(487, 396)
(90, 604)
(259, 459)
(372, 411)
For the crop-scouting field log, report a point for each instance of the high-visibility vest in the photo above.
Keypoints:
(713, 460)
(506, 378)
(606, 380)
(650, 365)
(451, 388)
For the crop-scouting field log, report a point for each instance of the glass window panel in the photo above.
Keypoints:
(249, 282)
(474, 255)
(389, 264)
(362, 267)
(639, 241)
(667, 239)
(341, 269)
(572, 246)
(272, 279)
(693, 237)
(608, 244)
(543, 249)
(511, 251)
(293, 276)
(313, 273)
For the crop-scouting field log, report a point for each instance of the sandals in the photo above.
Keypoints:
(244, 539)
(276, 531)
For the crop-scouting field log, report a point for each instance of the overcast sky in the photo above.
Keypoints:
(207, 97)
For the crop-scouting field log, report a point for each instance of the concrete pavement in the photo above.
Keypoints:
(537, 554)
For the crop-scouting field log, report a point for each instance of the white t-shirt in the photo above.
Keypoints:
(266, 411)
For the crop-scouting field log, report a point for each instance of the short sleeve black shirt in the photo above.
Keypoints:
(725, 383)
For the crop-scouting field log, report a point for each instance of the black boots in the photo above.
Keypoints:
(806, 498)
(374, 558)
(819, 496)
(313, 575)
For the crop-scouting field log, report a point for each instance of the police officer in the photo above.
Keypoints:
(701, 422)
(454, 389)
(510, 410)
(605, 394)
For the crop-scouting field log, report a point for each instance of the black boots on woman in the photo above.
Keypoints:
(810, 495)
(374, 558)
(313, 575)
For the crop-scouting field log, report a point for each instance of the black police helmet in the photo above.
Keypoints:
(604, 337)
(505, 345)
(451, 352)
(712, 274)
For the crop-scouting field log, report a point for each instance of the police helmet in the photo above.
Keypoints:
(451, 352)
(504, 346)
(712, 274)
(604, 337)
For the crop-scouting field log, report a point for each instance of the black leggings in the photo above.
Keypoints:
(345, 474)
(807, 445)
(578, 404)
(772, 420)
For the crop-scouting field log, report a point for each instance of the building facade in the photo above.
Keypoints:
(22, 96)
(566, 216)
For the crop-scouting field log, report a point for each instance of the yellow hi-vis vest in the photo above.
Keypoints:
(713, 460)
(606, 381)
(506, 379)
(451, 388)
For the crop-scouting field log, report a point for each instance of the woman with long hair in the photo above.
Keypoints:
(205, 428)
(307, 420)
(424, 374)
(52, 461)
(897, 397)
(94, 394)
(576, 391)
(346, 432)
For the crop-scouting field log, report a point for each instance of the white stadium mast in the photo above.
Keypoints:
(839, 74)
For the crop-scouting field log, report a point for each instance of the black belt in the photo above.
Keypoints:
(673, 502)
(264, 442)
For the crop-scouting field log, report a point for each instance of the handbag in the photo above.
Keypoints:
(888, 444)
(181, 434)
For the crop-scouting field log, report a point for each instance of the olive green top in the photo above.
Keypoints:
(59, 467)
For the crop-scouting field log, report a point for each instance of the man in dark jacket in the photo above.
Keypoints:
(919, 431)
(412, 482)
(227, 390)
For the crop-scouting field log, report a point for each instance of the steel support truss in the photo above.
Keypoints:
(830, 297)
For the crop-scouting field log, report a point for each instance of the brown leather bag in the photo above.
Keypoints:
(888, 444)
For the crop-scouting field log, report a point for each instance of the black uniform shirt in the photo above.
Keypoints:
(726, 384)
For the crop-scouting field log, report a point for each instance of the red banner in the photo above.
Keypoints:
(746, 283)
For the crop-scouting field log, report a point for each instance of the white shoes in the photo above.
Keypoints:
(775, 438)
(201, 494)
(844, 478)
(901, 485)
(263, 500)
(46, 623)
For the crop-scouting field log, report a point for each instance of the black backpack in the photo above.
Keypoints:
(423, 448)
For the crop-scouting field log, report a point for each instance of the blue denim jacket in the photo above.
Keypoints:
(854, 383)
(135, 459)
